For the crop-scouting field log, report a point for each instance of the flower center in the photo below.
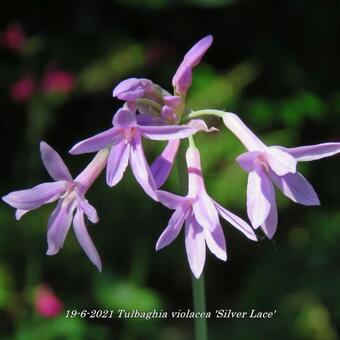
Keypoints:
(70, 198)
(261, 160)
(129, 133)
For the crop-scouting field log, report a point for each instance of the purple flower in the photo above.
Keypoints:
(274, 164)
(155, 105)
(71, 196)
(150, 99)
(124, 140)
(162, 165)
(183, 76)
(200, 214)
(133, 88)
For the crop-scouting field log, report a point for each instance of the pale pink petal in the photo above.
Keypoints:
(166, 132)
(196, 182)
(246, 160)
(195, 246)
(85, 240)
(182, 78)
(124, 118)
(96, 143)
(140, 168)
(216, 242)
(117, 162)
(169, 199)
(174, 227)
(89, 210)
(313, 152)
(205, 212)
(35, 197)
(297, 188)
(243, 133)
(260, 195)
(58, 225)
(86, 178)
(194, 55)
(20, 213)
(236, 221)
(54, 164)
(132, 89)
(280, 161)
(162, 165)
(270, 224)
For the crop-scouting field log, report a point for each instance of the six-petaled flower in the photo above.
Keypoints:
(274, 164)
(200, 214)
(72, 205)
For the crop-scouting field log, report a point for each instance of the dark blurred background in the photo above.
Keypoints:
(275, 63)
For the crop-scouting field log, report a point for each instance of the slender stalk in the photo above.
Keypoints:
(217, 113)
(198, 292)
(201, 332)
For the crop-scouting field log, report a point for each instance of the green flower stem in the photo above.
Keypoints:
(198, 292)
(217, 113)
(197, 284)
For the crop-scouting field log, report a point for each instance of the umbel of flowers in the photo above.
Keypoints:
(150, 112)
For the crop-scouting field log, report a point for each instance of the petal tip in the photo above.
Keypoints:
(73, 150)
(208, 39)
(316, 200)
(99, 266)
(269, 233)
(110, 183)
(223, 257)
(159, 245)
(19, 213)
(51, 251)
(43, 144)
(253, 237)
(6, 198)
(197, 273)
(45, 148)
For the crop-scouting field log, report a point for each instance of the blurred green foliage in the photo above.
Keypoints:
(275, 64)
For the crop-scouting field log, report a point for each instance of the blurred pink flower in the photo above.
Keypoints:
(57, 80)
(13, 37)
(23, 89)
(47, 304)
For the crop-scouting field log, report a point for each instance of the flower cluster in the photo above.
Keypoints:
(150, 112)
